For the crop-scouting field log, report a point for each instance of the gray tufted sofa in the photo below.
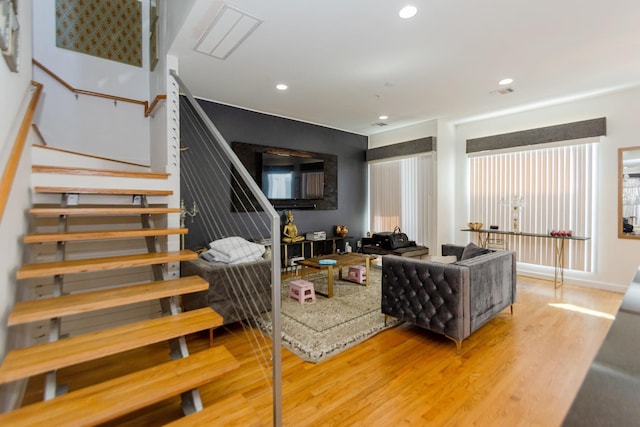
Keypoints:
(450, 299)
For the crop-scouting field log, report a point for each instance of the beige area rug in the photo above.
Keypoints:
(321, 329)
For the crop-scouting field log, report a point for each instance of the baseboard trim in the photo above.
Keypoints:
(527, 271)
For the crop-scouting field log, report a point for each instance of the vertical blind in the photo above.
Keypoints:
(400, 195)
(557, 186)
(312, 185)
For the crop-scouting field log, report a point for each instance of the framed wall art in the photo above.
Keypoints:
(153, 33)
(9, 28)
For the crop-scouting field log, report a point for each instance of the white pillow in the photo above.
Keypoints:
(249, 258)
(232, 249)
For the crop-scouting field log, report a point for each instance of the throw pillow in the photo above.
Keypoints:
(473, 250)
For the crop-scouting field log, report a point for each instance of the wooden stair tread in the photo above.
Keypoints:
(98, 172)
(102, 211)
(43, 269)
(41, 358)
(231, 411)
(49, 308)
(109, 191)
(117, 397)
(70, 236)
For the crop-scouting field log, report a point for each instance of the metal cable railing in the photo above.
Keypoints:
(230, 203)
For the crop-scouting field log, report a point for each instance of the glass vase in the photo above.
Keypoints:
(515, 221)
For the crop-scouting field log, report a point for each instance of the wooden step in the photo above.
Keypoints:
(41, 358)
(232, 411)
(103, 191)
(117, 397)
(71, 236)
(43, 269)
(49, 308)
(98, 172)
(102, 211)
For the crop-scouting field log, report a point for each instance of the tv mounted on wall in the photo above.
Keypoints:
(291, 179)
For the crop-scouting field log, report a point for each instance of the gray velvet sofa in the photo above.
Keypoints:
(236, 291)
(450, 299)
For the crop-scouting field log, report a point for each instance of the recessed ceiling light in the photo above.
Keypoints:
(282, 86)
(408, 12)
(504, 82)
(383, 117)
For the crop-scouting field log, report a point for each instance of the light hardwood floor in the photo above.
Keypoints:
(518, 370)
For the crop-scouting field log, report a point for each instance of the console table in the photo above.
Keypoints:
(558, 259)
(310, 248)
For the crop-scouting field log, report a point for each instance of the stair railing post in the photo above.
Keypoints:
(191, 401)
(51, 387)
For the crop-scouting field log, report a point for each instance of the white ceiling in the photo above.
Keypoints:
(348, 61)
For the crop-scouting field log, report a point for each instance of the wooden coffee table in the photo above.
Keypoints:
(344, 260)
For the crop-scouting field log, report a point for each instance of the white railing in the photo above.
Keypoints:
(230, 203)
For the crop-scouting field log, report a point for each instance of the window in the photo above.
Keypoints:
(400, 195)
(557, 185)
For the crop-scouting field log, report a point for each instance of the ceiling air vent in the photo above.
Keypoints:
(228, 29)
(380, 124)
(503, 91)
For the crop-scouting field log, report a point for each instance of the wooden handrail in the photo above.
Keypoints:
(154, 104)
(13, 161)
(91, 156)
(148, 109)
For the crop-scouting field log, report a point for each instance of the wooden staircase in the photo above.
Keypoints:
(106, 401)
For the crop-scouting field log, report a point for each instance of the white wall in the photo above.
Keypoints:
(13, 86)
(176, 13)
(158, 85)
(617, 259)
(14, 89)
(80, 70)
(88, 124)
(446, 181)
(410, 133)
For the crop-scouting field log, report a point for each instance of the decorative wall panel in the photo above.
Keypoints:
(109, 29)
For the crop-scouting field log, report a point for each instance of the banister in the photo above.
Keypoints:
(148, 109)
(13, 161)
(156, 101)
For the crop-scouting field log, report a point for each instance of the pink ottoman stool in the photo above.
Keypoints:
(358, 274)
(302, 290)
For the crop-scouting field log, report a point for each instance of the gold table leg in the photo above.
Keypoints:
(330, 281)
(559, 264)
(483, 242)
(367, 263)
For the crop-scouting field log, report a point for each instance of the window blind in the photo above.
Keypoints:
(557, 186)
(400, 195)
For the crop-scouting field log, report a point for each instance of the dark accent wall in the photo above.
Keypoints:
(236, 124)
(563, 132)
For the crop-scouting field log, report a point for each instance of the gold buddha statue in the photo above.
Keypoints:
(290, 231)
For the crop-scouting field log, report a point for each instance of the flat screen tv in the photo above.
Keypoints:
(288, 176)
